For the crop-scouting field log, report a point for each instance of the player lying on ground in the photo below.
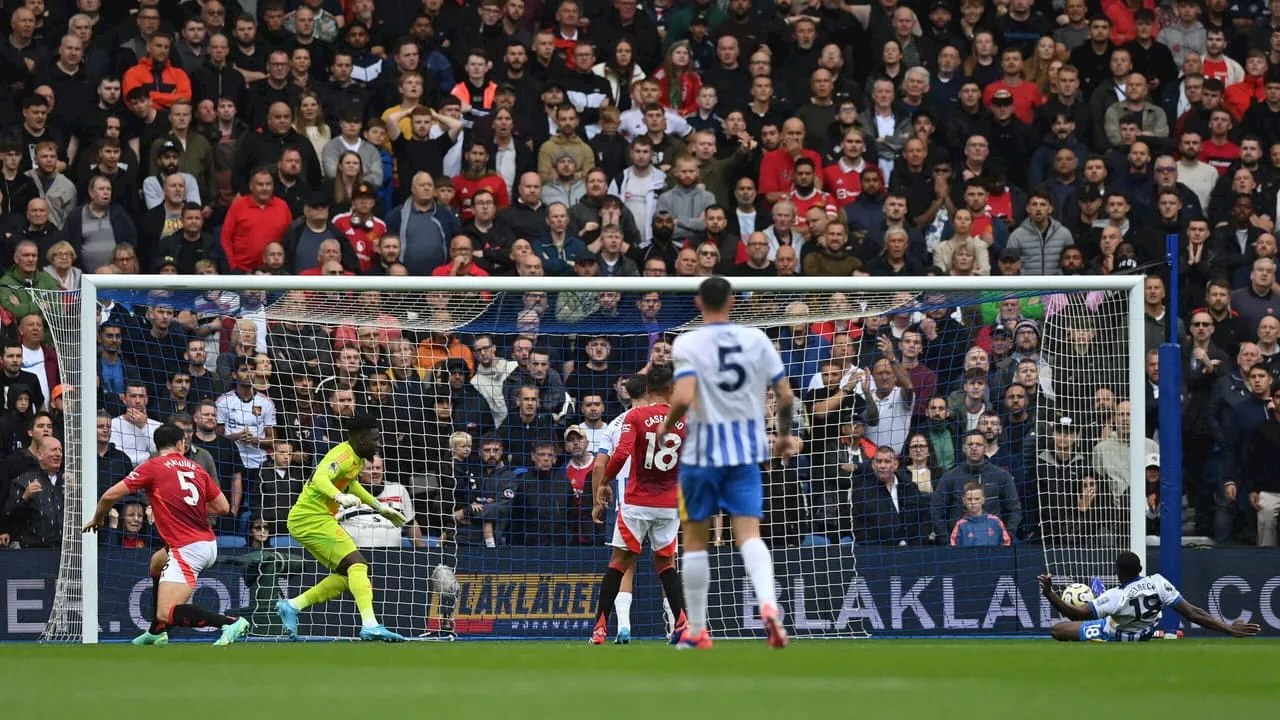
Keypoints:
(648, 507)
(183, 496)
(722, 371)
(637, 388)
(334, 484)
(1131, 612)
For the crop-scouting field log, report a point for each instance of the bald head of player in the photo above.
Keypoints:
(715, 297)
(362, 434)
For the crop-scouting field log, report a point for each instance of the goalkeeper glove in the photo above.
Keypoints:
(346, 500)
(391, 514)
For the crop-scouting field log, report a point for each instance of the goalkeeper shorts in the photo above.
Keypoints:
(324, 538)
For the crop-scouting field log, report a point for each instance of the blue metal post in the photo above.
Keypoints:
(1170, 440)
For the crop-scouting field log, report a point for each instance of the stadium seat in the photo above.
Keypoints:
(284, 541)
(814, 541)
(230, 542)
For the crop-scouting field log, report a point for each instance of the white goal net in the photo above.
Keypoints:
(1004, 409)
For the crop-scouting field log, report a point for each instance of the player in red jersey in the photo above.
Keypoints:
(649, 507)
(183, 496)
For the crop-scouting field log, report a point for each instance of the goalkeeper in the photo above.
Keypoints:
(335, 484)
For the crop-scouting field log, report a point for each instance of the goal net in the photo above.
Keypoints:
(960, 437)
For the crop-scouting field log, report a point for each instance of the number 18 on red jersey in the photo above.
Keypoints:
(655, 461)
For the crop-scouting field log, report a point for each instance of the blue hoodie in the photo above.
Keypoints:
(984, 530)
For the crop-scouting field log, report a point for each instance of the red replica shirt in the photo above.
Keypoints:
(654, 461)
(363, 236)
(464, 190)
(1215, 69)
(777, 168)
(180, 491)
(844, 186)
(1219, 156)
(1026, 98)
(818, 199)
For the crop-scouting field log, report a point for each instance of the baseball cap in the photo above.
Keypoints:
(1001, 331)
(1152, 460)
(170, 146)
(317, 199)
(166, 261)
(1010, 253)
(857, 419)
(1090, 193)
(363, 190)
(584, 256)
(574, 429)
(56, 392)
(456, 365)
(1065, 423)
(1002, 97)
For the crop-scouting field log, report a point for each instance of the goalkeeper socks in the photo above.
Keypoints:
(674, 601)
(697, 580)
(327, 589)
(609, 595)
(362, 591)
(759, 565)
(194, 616)
(622, 604)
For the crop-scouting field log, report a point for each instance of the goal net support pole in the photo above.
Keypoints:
(84, 592)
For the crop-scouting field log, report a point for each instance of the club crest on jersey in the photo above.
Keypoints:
(508, 493)
(257, 410)
(333, 468)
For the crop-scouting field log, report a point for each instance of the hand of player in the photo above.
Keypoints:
(603, 498)
(346, 500)
(787, 446)
(1046, 584)
(1240, 628)
(392, 515)
(95, 523)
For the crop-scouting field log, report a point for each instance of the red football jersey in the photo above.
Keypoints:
(844, 186)
(655, 462)
(180, 491)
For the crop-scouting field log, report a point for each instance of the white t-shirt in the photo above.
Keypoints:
(136, 442)
(33, 362)
(734, 366)
(256, 414)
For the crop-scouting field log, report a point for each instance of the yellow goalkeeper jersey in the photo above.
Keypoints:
(340, 467)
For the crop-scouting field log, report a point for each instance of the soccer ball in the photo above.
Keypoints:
(1077, 595)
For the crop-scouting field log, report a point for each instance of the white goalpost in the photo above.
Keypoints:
(415, 352)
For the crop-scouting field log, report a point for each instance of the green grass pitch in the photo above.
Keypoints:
(1202, 679)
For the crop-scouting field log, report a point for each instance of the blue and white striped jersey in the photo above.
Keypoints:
(735, 366)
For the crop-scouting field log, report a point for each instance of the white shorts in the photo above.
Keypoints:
(187, 562)
(636, 522)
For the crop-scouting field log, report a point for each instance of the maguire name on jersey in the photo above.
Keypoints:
(734, 366)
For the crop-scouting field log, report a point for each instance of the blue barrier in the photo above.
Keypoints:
(552, 593)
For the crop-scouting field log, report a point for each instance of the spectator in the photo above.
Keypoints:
(1260, 477)
(1259, 299)
(424, 227)
(977, 528)
(1000, 498)
(247, 417)
(100, 225)
(58, 192)
(168, 160)
(34, 500)
(166, 82)
(253, 221)
(24, 276)
(131, 432)
(484, 500)
(1040, 239)
(890, 510)
(112, 463)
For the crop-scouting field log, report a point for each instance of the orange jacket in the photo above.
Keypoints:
(463, 93)
(166, 87)
(1240, 96)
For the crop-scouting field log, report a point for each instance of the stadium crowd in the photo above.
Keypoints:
(670, 137)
